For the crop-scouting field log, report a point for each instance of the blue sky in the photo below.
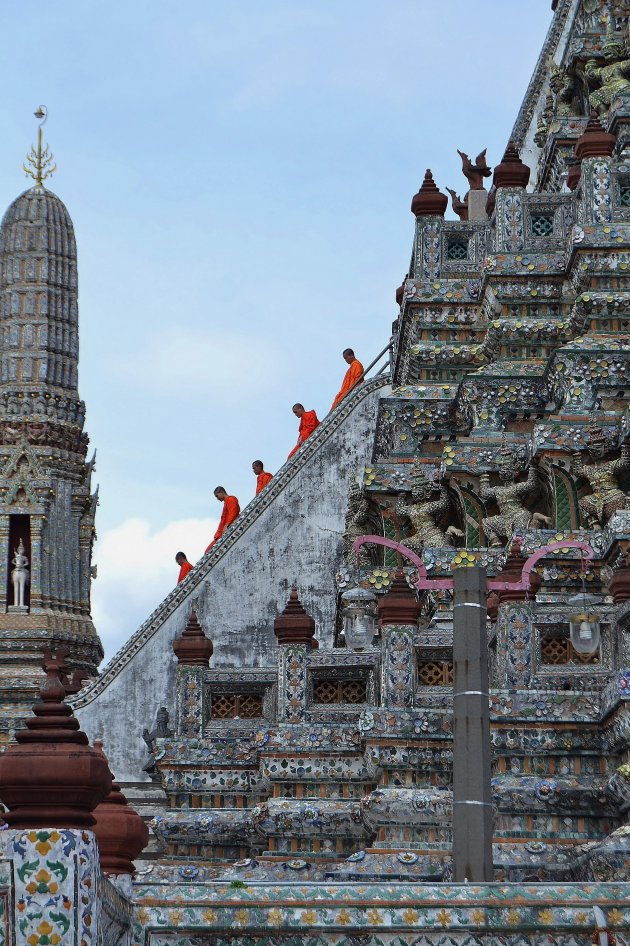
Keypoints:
(239, 177)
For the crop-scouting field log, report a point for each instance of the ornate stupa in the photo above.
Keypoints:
(47, 507)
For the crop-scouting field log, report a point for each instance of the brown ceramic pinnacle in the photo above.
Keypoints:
(400, 292)
(595, 142)
(429, 201)
(513, 571)
(511, 172)
(120, 832)
(294, 625)
(52, 777)
(193, 648)
(399, 605)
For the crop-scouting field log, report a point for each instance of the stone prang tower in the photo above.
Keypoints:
(46, 504)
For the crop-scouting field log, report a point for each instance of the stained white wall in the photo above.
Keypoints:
(293, 538)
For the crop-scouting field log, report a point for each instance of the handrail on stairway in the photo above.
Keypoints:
(387, 348)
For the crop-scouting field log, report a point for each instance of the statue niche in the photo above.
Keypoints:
(509, 496)
(606, 497)
(425, 512)
(20, 576)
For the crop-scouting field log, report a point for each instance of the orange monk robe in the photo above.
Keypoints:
(308, 423)
(352, 377)
(186, 567)
(261, 481)
(231, 510)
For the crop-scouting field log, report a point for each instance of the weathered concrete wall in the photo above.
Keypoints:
(289, 534)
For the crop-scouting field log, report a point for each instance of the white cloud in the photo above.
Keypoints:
(194, 361)
(137, 569)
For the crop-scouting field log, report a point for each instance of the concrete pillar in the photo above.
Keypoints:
(472, 797)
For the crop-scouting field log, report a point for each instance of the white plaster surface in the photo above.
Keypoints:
(292, 535)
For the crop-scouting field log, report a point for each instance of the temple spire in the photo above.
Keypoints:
(39, 163)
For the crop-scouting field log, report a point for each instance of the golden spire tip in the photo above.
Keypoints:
(39, 163)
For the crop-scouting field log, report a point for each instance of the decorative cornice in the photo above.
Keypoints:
(526, 111)
(250, 514)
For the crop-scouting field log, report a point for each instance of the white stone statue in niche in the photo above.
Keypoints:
(19, 576)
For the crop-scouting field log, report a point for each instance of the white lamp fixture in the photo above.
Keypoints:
(584, 624)
(359, 617)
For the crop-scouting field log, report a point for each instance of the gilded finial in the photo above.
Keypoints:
(39, 163)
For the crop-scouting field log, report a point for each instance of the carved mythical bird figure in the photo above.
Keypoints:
(460, 207)
(476, 172)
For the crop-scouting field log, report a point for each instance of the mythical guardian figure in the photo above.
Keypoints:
(509, 497)
(607, 497)
(160, 730)
(612, 79)
(358, 522)
(424, 512)
(564, 91)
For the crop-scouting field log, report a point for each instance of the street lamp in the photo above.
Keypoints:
(358, 608)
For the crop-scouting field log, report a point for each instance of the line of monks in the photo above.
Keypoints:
(308, 423)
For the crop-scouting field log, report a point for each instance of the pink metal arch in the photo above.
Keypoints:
(424, 582)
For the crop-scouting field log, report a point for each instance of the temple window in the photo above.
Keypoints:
(542, 225)
(557, 651)
(624, 192)
(340, 691)
(457, 248)
(435, 673)
(236, 706)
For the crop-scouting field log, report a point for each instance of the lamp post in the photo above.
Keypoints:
(472, 794)
(359, 617)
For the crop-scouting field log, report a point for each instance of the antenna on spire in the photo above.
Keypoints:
(39, 164)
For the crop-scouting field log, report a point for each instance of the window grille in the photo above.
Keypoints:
(435, 673)
(340, 691)
(559, 651)
(457, 249)
(624, 194)
(236, 706)
(542, 225)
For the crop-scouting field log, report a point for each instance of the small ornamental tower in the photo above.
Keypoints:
(46, 503)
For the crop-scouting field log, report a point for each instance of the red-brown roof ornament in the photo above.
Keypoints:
(429, 201)
(193, 648)
(574, 173)
(512, 571)
(52, 777)
(120, 832)
(294, 625)
(596, 142)
(491, 201)
(460, 207)
(399, 605)
(511, 172)
(475, 173)
(400, 292)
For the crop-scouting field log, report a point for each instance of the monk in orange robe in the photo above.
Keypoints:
(262, 477)
(308, 423)
(353, 375)
(184, 566)
(231, 510)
